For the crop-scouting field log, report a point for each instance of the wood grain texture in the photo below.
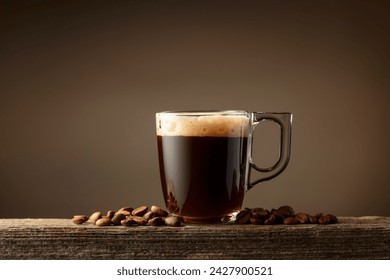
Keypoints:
(352, 238)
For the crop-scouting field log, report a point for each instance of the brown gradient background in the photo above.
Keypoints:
(80, 82)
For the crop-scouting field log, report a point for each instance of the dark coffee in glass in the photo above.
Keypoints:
(205, 159)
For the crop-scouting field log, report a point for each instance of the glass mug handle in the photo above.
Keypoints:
(284, 121)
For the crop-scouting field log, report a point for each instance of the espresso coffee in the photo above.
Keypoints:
(203, 165)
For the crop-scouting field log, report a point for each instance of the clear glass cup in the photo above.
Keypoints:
(205, 160)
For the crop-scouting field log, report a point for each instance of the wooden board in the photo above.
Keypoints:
(351, 238)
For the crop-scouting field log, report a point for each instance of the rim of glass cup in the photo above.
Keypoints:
(204, 112)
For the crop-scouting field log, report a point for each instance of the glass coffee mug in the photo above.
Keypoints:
(205, 160)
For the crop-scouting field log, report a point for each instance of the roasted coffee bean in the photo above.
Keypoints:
(158, 211)
(149, 215)
(313, 220)
(128, 222)
(79, 219)
(126, 208)
(327, 219)
(278, 216)
(105, 221)
(270, 220)
(124, 212)
(94, 217)
(110, 213)
(256, 221)
(290, 221)
(118, 218)
(286, 211)
(243, 216)
(332, 218)
(138, 220)
(156, 221)
(319, 215)
(173, 221)
(85, 217)
(302, 218)
(260, 213)
(140, 211)
(323, 221)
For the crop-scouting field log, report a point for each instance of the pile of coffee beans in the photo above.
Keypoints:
(156, 216)
(283, 215)
(128, 216)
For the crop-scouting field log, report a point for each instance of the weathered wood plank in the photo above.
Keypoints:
(352, 238)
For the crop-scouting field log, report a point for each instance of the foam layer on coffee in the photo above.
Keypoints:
(215, 125)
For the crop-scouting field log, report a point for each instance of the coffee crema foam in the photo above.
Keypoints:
(213, 126)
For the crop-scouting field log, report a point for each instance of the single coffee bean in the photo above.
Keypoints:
(158, 211)
(110, 213)
(128, 222)
(332, 218)
(138, 220)
(173, 221)
(79, 219)
(261, 213)
(270, 220)
(286, 211)
(256, 221)
(124, 212)
(256, 209)
(290, 221)
(323, 221)
(243, 216)
(149, 215)
(118, 218)
(105, 221)
(302, 218)
(127, 208)
(328, 219)
(84, 217)
(94, 217)
(278, 216)
(140, 211)
(156, 221)
(319, 215)
(313, 220)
